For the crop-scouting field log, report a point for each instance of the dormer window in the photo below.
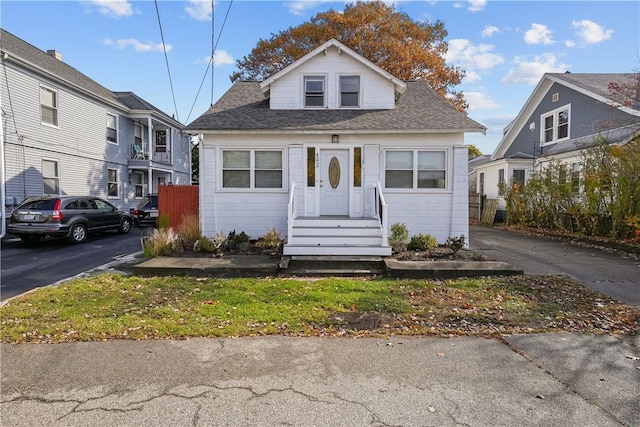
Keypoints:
(555, 125)
(349, 91)
(314, 89)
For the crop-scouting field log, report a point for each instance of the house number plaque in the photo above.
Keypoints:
(334, 172)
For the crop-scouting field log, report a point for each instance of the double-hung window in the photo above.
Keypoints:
(48, 106)
(112, 133)
(112, 182)
(252, 169)
(350, 91)
(50, 177)
(314, 90)
(416, 169)
(555, 125)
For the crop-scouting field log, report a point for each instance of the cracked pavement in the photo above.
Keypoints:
(525, 380)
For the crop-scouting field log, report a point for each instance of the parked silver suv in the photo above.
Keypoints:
(66, 217)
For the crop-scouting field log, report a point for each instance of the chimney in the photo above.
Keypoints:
(55, 54)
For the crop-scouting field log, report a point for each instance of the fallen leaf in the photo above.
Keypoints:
(211, 302)
(432, 409)
(440, 354)
(633, 357)
(541, 397)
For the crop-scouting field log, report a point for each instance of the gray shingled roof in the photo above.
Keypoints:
(134, 102)
(420, 109)
(596, 83)
(13, 45)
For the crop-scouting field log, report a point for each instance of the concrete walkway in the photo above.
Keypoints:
(525, 380)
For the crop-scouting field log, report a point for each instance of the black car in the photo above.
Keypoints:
(147, 211)
(71, 217)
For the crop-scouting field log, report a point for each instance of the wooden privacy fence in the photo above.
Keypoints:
(177, 200)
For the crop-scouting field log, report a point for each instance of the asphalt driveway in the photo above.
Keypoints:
(617, 276)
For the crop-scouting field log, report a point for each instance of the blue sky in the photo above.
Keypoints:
(504, 46)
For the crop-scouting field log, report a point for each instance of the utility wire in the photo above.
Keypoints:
(166, 58)
(211, 60)
(213, 50)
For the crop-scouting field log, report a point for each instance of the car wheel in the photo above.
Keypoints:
(125, 226)
(78, 233)
(29, 238)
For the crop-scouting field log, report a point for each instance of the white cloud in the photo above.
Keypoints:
(300, 7)
(471, 77)
(538, 34)
(138, 46)
(221, 57)
(463, 52)
(489, 31)
(590, 32)
(570, 43)
(480, 101)
(200, 10)
(113, 8)
(477, 5)
(530, 72)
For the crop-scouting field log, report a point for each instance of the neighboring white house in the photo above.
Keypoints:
(331, 151)
(565, 114)
(65, 134)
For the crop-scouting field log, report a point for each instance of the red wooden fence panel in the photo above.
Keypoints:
(177, 200)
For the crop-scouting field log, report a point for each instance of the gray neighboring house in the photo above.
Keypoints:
(64, 133)
(565, 114)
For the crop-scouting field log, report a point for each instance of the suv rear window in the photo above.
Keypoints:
(45, 205)
(148, 202)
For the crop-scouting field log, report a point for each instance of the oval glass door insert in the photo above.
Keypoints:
(334, 172)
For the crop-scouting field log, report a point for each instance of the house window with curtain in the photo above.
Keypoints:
(112, 132)
(350, 91)
(314, 89)
(112, 183)
(252, 169)
(50, 177)
(555, 125)
(416, 169)
(48, 106)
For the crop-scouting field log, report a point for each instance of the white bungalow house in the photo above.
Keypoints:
(565, 114)
(331, 151)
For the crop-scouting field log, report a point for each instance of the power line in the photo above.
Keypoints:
(211, 60)
(166, 58)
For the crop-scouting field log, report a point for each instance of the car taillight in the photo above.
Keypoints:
(135, 212)
(57, 214)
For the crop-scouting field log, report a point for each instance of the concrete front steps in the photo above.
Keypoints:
(341, 236)
(332, 265)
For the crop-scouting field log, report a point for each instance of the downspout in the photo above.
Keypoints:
(3, 232)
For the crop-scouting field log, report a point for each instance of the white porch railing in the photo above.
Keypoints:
(381, 212)
(292, 211)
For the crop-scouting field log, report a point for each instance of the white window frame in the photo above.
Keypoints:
(314, 77)
(555, 115)
(415, 170)
(56, 178)
(54, 108)
(112, 184)
(340, 91)
(252, 170)
(114, 129)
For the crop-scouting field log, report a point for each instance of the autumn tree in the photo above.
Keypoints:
(474, 151)
(408, 49)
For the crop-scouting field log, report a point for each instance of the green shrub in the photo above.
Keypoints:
(270, 242)
(235, 240)
(214, 246)
(455, 243)
(164, 221)
(399, 237)
(422, 242)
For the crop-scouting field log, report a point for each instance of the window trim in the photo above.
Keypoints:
(340, 92)
(555, 115)
(115, 130)
(116, 182)
(55, 108)
(415, 170)
(57, 178)
(252, 170)
(314, 77)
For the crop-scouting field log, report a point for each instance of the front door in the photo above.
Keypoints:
(334, 182)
